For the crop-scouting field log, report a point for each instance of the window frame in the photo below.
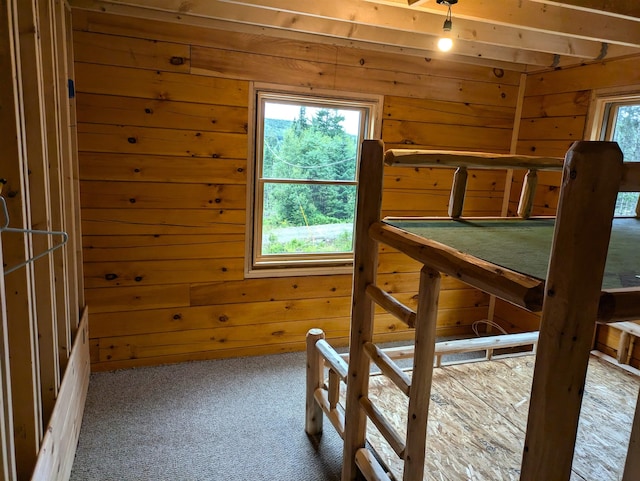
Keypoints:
(257, 265)
(603, 111)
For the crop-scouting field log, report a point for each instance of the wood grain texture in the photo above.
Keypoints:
(130, 52)
(161, 113)
(151, 195)
(145, 140)
(164, 172)
(605, 74)
(590, 185)
(152, 84)
(368, 206)
(56, 455)
(160, 168)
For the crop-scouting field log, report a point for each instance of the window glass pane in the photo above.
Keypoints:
(626, 204)
(308, 142)
(626, 131)
(305, 180)
(307, 218)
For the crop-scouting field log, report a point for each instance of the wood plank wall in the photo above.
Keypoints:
(163, 112)
(42, 300)
(555, 114)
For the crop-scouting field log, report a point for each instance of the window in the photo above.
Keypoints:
(618, 119)
(305, 179)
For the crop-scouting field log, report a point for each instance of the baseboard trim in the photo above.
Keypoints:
(58, 447)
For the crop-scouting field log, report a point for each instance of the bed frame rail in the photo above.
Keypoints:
(461, 161)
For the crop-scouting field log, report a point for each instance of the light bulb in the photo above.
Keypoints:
(445, 44)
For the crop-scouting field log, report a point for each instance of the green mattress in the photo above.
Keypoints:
(524, 245)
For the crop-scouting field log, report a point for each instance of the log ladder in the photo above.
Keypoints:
(321, 398)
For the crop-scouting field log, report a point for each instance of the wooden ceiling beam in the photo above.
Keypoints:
(527, 35)
(623, 8)
(388, 16)
(543, 16)
(323, 29)
(202, 24)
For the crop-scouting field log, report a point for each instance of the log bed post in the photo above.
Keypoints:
(590, 182)
(420, 392)
(315, 373)
(362, 309)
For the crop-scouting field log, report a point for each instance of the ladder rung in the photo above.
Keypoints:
(370, 467)
(388, 367)
(334, 359)
(385, 428)
(392, 305)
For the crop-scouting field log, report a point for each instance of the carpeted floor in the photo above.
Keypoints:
(228, 420)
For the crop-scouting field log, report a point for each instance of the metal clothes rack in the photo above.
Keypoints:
(5, 228)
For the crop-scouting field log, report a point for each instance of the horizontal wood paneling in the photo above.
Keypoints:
(144, 140)
(249, 66)
(163, 115)
(543, 147)
(550, 123)
(127, 299)
(613, 73)
(153, 195)
(448, 113)
(161, 221)
(515, 318)
(159, 85)
(181, 317)
(556, 105)
(279, 348)
(131, 52)
(156, 247)
(159, 168)
(553, 128)
(439, 200)
(307, 287)
(108, 274)
(444, 137)
(401, 178)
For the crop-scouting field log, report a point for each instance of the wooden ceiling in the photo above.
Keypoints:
(521, 35)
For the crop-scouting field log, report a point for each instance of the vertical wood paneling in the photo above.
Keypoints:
(163, 156)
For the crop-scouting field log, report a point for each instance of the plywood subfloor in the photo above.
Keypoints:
(478, 414)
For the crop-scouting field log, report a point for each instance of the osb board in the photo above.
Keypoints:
(477, 421)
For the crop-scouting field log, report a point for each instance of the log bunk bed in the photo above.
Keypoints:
(563, 276)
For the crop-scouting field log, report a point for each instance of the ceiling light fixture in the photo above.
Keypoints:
(445, 42)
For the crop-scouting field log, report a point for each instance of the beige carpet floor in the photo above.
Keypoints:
(228, 420)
